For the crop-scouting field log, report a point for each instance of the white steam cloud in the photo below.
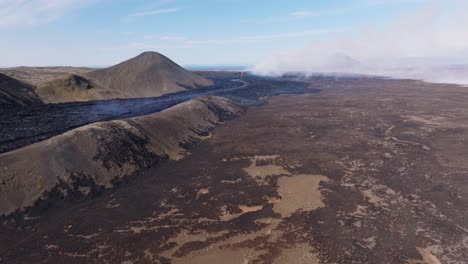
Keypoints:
(428, 44)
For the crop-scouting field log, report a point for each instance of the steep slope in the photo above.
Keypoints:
(96, 156)
(74, 88)
(14, 93)
(149, 74)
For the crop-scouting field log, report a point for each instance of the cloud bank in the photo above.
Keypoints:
(430, 43)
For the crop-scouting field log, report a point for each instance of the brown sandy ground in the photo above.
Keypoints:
(74, 88)
(368, 171)
(38, 75)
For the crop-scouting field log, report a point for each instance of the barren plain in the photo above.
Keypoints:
(365, 171)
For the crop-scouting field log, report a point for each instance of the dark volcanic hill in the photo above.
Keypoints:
(99, 154)
(14, 93)
(74, 88)
(149, 74)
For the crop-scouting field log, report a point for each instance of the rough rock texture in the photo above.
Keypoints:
(97, 156)
(74, 88)
(148, 74)
(39, 75)
(15, 93)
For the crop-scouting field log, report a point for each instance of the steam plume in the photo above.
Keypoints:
(430, 43)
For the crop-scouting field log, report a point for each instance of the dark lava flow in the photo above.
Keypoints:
(25, 126)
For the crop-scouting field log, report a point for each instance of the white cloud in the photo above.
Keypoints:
(169, 42)
(296, 15)
(305, 13)
(245, 39)
(176, 41)
(155, 12)
(27, 13)
(411, 45)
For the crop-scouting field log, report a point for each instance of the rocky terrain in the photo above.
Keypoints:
(22, 126)
(14, 93)
(149, 74)
(75, 88)
(96, 156)
(39, 75)
(365, 171)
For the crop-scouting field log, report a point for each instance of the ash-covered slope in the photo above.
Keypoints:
(39, 75)
(14, 93)
(96, 156)
(148, 74)
(74, 88)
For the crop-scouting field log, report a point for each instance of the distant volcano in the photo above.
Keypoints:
(148, 74)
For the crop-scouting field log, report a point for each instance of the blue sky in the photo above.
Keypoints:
(205, 32)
